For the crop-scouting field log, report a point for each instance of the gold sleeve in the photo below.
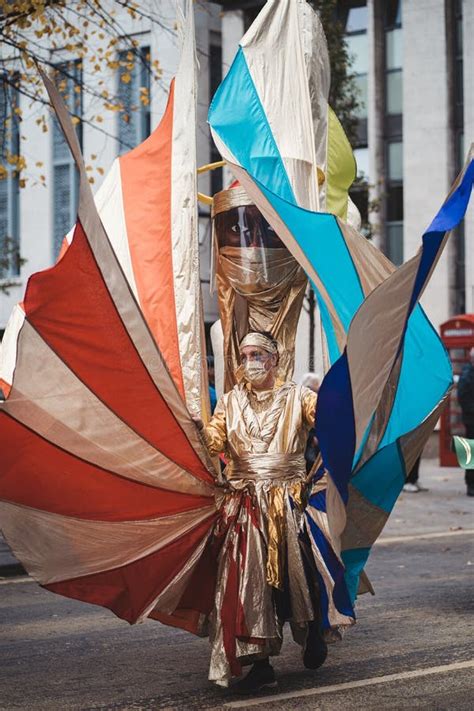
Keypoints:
(308, 406)
(215, 432)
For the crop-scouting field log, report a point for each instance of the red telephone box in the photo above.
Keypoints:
(457, 335)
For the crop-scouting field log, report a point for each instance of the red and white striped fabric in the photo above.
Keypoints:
(106, 490)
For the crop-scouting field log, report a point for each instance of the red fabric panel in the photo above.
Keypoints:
(129, 590)
(71, 308)
(36, 473)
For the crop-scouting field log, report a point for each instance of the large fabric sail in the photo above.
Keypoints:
(392, 426)
(106, 490)
(148, 206)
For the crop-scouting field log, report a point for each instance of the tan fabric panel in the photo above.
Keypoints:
(72, 417)
(119, 289)
(382, 414)
(383, 315)
(373, 267)
(365, 521)
(54, 547)
(412, 443)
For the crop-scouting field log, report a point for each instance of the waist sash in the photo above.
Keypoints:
(268, 466)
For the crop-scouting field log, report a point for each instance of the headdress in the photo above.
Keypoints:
(259, 340)
(234, 196)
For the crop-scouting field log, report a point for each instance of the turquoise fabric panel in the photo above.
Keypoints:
(236, 114)
(354, 561)
(319, 236)
(425, 376)
(381, 479)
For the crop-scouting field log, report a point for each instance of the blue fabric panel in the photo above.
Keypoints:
(334, 425)
(236, 114)
(381, 479)
(426, 372)
(340, 593)
(354, 560)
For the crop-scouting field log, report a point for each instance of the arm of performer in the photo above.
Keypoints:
(215, 432)
(308, 405)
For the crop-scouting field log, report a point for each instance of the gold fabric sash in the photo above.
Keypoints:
(280, 469)
(268, 466)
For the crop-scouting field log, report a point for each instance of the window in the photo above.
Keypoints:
(9, 183)
(395, 242)
(133, 93)
(355, 17)
(65, 174)
(395, 161)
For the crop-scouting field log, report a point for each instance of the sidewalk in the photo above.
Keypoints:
(444, 507)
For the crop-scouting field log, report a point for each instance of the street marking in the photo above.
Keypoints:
(23, 579)
(350, 685)
(421, 536)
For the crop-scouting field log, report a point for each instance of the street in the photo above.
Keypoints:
(411, 648)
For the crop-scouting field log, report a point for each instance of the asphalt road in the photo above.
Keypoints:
(412, 647)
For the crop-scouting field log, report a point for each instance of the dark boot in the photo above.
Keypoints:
(261, 676)
(316, 649)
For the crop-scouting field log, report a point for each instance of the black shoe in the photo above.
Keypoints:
(316, 649)
(261, 676)
(470, 490)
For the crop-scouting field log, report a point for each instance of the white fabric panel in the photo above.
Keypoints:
(53, 547)
(8, 346)
(109, 203)
(286, 53)
(184, 225)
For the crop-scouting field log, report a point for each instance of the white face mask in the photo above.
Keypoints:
(255, 371)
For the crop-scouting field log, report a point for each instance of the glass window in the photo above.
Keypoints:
(9, 184)
(395, 242)
(361, 156)
(395, 161)
(361, 83)
(395, 203)
(134, 95)
(357, 19)
(394, 93)
(394, 49)
(359, 53)
(393, 13)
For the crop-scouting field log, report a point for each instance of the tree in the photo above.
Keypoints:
(80, 42)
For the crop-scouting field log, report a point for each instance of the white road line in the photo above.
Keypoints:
(10, 581)
(421, 536)
(350, 685)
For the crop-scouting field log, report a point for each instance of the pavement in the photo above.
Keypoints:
(412, 646)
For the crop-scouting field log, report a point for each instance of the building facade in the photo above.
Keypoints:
(415, 123)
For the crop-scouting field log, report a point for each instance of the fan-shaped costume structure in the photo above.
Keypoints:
(107, 490)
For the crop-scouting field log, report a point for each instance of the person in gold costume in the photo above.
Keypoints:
(266, 575)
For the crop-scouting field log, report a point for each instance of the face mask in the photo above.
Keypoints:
(255, 371)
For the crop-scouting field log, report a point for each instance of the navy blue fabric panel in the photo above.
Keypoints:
(340, 594)
(335, 427)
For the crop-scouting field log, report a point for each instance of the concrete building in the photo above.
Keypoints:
(416, 120)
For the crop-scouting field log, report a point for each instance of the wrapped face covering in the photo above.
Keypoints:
(260, 285)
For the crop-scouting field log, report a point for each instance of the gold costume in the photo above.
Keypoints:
(261, 576)
(260, 286)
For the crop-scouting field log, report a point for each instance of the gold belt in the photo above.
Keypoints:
(268, 466)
